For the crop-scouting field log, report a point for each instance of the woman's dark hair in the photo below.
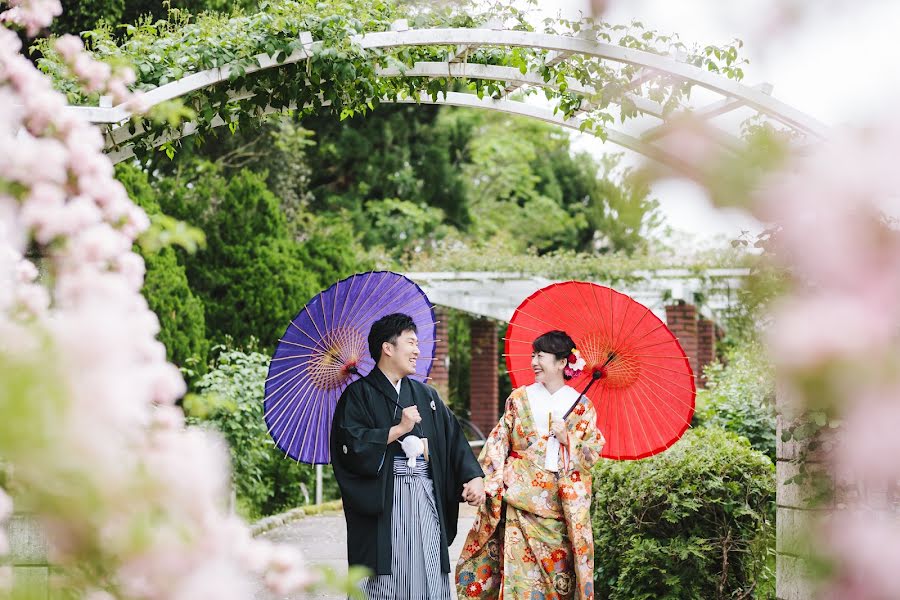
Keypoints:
(387, 329)
(556, 342)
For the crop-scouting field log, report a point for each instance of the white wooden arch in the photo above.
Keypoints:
(732, 95)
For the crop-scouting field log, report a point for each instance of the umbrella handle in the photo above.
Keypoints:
(595, 376)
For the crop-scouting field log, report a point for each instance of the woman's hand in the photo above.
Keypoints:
(558, 429)
(473, 491)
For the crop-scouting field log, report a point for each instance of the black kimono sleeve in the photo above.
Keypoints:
(358, 452)
(462, 460)
(462, 466)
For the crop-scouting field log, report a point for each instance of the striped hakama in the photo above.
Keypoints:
(415, 540)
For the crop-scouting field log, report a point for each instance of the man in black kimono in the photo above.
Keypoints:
(401, 513)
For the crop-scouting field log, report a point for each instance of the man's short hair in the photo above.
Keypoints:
(387, 329)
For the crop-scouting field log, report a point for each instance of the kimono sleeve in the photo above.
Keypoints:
(496, 450)
(359, 445)
(585, 439)
(462, 461)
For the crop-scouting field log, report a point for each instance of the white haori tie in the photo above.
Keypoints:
(542, 404)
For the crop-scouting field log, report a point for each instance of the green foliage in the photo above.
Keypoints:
(694, 522)
(253, 277)
(740, 397)
(340, 78)
(613, 269)
(395, 152)
(83, 16)
(403, 222)
(278, 147)
(459, 337)
(523, 176)
(231, 400)
(157, 9)
(180, 311)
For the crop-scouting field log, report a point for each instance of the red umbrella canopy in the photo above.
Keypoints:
(645, 394)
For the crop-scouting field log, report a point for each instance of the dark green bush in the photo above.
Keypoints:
(695, 522)
(253, 277)
(83, 16)
(231, 400)
(181, 315)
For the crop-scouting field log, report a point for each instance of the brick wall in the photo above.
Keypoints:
(440, 373)
(484, 403)
(681, 318)
(706, 346)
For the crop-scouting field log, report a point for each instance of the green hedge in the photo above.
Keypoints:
(231, 400)
(182, 321)
(740, 396)
(696, 521)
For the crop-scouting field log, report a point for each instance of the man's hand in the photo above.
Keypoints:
(473, 491)
(409, 418)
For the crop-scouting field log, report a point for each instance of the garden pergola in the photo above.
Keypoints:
(652, 120)
(655, 123)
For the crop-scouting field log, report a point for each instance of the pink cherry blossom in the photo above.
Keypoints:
(26, 272)
(33, 15)
(865, 547)
(69, 46)
(121, 457)
(6, 506)
(869, 441)
(813, 330)
(33, 299)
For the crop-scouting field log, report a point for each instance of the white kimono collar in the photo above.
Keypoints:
(542, 402)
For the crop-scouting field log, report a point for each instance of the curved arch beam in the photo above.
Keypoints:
(511, 75)
(515, 76)
(762, 102)
(754, 98)
(120, 135)
(465, 100)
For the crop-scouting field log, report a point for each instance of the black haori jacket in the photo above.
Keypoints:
(363, 464)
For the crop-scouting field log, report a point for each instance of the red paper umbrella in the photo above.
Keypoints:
(636, 372)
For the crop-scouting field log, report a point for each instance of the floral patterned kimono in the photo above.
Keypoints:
(532, 538)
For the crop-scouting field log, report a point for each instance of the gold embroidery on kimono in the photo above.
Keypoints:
(532, 538)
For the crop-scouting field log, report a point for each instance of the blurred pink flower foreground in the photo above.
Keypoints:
(133, 502)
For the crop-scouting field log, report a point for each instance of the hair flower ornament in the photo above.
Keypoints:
(575, 364)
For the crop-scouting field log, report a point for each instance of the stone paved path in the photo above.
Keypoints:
(323, 540)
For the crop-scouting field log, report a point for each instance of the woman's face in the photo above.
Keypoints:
(547, 368)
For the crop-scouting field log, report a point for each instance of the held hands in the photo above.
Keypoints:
(473, 491)
(558, 430)
(409, 418)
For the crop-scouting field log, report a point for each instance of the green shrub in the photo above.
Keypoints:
(231, 400)
(696, 521)
(182, 324)
(740, 397)
(253, 277)
(83, 16)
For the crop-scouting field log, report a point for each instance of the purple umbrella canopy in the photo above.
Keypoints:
(322, 347)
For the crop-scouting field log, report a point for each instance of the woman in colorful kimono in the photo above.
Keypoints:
(532, 538)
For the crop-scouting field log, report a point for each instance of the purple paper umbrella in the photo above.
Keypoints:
(323, 345)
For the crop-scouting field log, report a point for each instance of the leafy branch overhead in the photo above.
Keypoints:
(340, 77)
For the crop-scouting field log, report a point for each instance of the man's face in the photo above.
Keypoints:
(402, 354)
